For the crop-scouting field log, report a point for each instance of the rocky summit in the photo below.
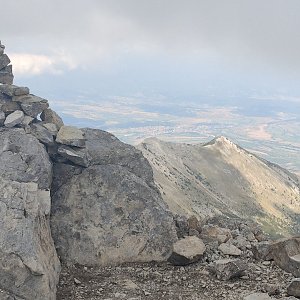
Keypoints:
(81, 216)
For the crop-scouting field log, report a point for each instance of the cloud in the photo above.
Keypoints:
(92, 31)
(31, 64)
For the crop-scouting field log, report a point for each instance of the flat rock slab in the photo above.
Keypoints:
(14, 119)
(229, 249)
(186, 251)
(13, 90)
(226, 269)
(71, 136)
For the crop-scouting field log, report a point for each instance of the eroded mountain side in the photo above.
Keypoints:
(221, 178)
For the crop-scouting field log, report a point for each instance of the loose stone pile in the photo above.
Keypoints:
(229, 247)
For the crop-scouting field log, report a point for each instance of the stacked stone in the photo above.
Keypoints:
(6, 75)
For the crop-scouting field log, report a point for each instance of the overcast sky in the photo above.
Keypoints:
(133, 46)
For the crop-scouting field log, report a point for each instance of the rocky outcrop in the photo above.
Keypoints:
(106, 210)
(29, 267)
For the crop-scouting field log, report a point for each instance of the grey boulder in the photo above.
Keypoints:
(42, 134)
(14, 118)
(186, 251)
(226, 269)
(6, 76)
(294, 288)
(107, 215)
(50, 116)
(29, 266)
(4, 61)
(23, 158)
(72, 136)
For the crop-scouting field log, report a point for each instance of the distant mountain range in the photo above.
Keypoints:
(222, 178)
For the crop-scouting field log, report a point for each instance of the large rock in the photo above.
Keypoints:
(286, 254)
(229, 249)
(14, 118)
(294, 288)
(50, 116)
(226, 269)
(13, 90)
(6, 76)
(78, 156)
(4, 61)
(23, 158)
(31, 104)
(186, 251)
(105, 214)
(104, 148)
(7, 105)
(42, 134)
(72, 136)
(29, 267)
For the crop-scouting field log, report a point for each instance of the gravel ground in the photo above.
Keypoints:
(163, 281)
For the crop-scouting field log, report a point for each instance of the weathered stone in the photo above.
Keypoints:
(286, 254)
(50, 116)
(51, 127)
(29, 267)
(4, 61)
(31, 105)
(294, 288)
(229, 249)
(182, 226)
(27, 120)
(78, 156)
(241, 242)
(6, 76)
(262, 250)
(212, 232)
(108, 215)
(14, 118)
(226, 269)
(2, 118)
(104, 148)
(13, 90)
(23, 158)
(8, 106)
(42, 134)
(258, 296)
(72, 136)
(186, 251)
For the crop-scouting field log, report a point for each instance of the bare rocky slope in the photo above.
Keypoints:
(221, 178)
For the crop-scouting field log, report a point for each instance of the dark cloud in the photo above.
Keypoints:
(265, 33)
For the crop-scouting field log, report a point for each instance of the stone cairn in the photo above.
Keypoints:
(20, 109)
(6, 75)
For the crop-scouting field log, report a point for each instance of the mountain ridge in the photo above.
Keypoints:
(219, 177)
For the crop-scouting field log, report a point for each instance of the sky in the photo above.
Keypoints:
(177, 36)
